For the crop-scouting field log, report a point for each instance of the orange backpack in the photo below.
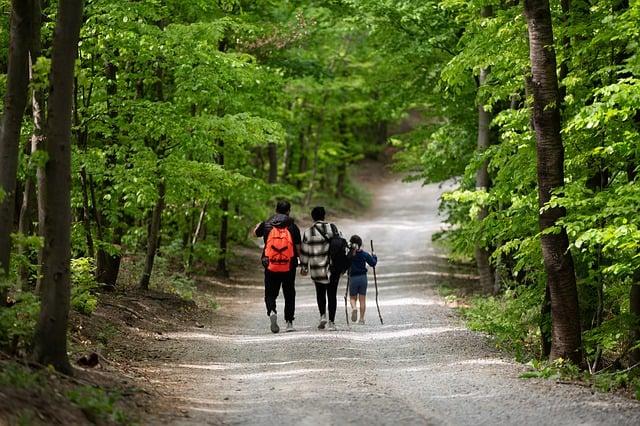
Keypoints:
(279, 250)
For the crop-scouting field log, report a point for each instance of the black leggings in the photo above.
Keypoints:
(327, 293)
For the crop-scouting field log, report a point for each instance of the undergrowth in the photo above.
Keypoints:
(100, 406)
(513, 320)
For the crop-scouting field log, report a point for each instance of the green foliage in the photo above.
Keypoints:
(98, 405)
(83, 285)
(559, 369)
(18, 321)
(19, 376)
(513, 319)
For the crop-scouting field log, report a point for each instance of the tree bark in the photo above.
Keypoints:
(50, 342)
(302, 163)
(634, 309)
(108, 264)
(634, 292)
(273, 163)
(86, 220)
(558, 262)
(15, 101)
(485, 269)
(196, 234)
(224, 238)
(153, 236)
(26, 220)
(33, 195)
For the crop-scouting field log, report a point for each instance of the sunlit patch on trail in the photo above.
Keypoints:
(482, 361)
(270, 375)
(315, 336)
(412, 301)
(406, 301)
(226, 285)
(224, 410)
(429, 273)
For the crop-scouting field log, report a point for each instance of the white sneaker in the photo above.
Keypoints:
(290, 326)
(331, 326)
(323, 322)
(274, 323)
(361, 321)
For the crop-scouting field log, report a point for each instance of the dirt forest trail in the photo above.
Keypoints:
(421, 367)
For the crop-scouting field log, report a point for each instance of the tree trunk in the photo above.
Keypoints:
(108, 264)
(196, 234)
(15, 101)
(33, 196)
(634, 293)
(341, 179)
(634, 309)
(224, 238)
(314, 170)
(273, 163)
(302, 163)
(286, 162)
(482, 254)
(153, 236)
(26, 220)
(566, 338)
(50, 342)
(86, 220)
(545, 316)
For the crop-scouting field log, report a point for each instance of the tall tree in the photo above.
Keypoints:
(50, 343)
(482, 254)
(14, 104)
(558, 262)
(153, 235)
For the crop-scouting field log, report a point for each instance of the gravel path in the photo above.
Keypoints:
(421, 367)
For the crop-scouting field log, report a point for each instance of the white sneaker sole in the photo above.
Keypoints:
(274, 323)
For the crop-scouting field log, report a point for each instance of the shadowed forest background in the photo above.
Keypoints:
(144, 164)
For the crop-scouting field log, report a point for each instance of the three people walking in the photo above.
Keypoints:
(323, 254)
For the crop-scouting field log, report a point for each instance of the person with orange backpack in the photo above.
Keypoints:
(280, 260)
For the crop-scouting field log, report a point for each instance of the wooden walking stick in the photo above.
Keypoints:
(375, 280)
(346, 292)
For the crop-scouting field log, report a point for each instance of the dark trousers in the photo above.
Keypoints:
(326, 294)
(272, 283)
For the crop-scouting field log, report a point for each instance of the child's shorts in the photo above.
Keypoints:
(358, 285)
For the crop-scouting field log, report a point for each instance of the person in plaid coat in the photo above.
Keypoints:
(314, 259)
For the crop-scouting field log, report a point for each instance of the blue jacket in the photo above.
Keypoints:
(359, 261)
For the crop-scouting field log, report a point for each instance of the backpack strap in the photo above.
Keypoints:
(324, 235)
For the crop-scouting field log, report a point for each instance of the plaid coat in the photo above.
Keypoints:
(314, 254)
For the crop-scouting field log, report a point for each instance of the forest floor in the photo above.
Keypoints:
(174, 362)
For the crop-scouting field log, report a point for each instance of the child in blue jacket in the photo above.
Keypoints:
(358, 277)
